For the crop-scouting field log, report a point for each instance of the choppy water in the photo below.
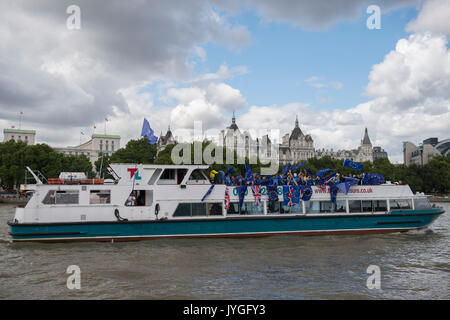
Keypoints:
(414, 265)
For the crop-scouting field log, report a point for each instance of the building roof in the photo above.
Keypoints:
(366, 139)
(19, 131)
(297, 132)
(105, 136)
(165, 139)
(233, 124)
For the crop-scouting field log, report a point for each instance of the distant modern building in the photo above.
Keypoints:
(99, 144)
(427, 150)
(28, 136)
(365, 152)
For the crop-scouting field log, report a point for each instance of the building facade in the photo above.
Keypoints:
(365, 152)
(28, 136)
(232, 138)
(165, 140)
(427, 150)
(296, 147)
(97, 145)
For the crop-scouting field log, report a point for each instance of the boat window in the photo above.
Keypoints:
(214, 209)
(297, 208)
(326, 207)
(312, 206)
(366, 206)
(197, 177)
(233, 208)
(180, 175)
(168, 174)
(183, 210)
(340, 206)
(198, 209)
(49, 197)
(61, 197)
(137, 198)
(66, 197)
(421, 203)
(155, 176)
(354, 206)
(400, 204)
(379, 205)
(252, 208)
(100, 197)
(275, 207)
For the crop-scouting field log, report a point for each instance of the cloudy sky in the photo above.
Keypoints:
(174, 62)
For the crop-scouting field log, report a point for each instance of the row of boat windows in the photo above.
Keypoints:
(355, 206)
(310, 207)
(72, 197)
(195, 209)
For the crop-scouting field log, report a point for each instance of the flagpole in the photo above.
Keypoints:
(20, 120)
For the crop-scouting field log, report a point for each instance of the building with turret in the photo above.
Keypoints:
(232, 138)
(165, 140)
(365, 152)
(296, 146)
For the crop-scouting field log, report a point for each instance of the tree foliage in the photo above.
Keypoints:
(15, 156)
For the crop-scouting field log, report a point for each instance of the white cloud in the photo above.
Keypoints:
(416, 73)
(183, 116)
(434, 17)
(228, 98)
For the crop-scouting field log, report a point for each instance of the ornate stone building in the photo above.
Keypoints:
(165, 140)
(296, 147)
(365, 152)
(234, 139)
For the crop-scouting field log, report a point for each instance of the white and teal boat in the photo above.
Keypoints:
(154, 201)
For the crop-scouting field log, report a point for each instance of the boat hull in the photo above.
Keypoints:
(236, 226)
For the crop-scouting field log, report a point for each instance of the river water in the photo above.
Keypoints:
(413, 265)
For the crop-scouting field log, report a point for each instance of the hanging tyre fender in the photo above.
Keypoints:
(118, 217)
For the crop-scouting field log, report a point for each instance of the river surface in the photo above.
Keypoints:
(413, 265)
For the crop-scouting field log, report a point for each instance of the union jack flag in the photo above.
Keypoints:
(290, 196)
(227, 198)
(257, 194)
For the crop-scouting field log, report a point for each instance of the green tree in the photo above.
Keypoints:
(136, 151)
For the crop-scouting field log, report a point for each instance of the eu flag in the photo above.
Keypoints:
(306, 192)
(352, 164)
(248, 173)
(242, 190)
(208, 192)
(148, 132)
(295, 168)
(372, 178)
(272, 193)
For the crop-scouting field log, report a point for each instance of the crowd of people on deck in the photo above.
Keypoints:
(289, 178)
